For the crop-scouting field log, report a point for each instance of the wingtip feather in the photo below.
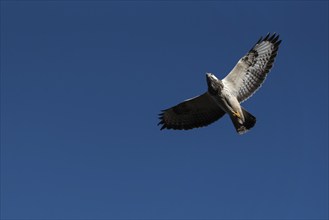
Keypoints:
(272, 37)
(266, 37)
(278, 43)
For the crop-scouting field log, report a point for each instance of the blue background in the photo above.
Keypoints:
(82, 83)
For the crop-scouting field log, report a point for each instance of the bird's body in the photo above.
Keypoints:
(224, 96)
(226, 100)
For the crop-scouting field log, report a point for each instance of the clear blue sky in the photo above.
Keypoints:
(82, 83)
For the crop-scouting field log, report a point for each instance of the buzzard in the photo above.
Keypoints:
(224, 96)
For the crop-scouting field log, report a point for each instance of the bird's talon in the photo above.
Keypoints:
(236, 114)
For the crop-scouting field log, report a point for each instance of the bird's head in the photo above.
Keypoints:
(214, 85)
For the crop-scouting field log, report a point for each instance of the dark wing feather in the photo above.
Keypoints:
(192, 113)
(251, 70)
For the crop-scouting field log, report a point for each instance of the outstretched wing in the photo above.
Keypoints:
(192, 113)
(250, 72)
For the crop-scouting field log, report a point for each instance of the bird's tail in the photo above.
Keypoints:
(249, 122)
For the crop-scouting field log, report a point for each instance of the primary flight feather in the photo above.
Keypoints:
(224, 96)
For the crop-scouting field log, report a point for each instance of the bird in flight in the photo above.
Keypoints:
(224, 96)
